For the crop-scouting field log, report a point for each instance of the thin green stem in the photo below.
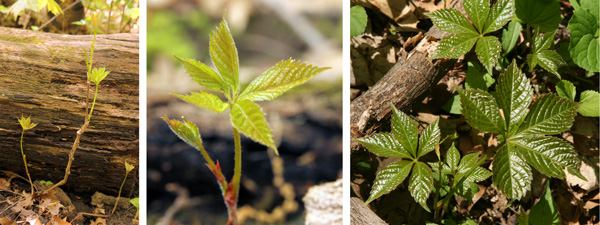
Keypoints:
(93, 103)
(119, 195)
(237, 171)
(25, 162)
(437, 193)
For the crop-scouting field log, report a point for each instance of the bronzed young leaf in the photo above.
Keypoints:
(248, 118)
(512, 175)
(405, 130)
(389, 178)
(384, 144)
(549, 115)
(514, 95)
(421, 183)
(204, 75)
(204, 100)
(481, 111)
(225, 57)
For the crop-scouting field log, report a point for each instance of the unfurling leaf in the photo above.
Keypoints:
(225, 56)
(128, 167)
(26, 123)
(205, 100)
(186, 131)
(389, 178)
(278, 79)
(248, 118)
(204, 75)
(97, 75)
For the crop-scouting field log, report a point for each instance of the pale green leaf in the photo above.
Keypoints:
(204, 100)
(585, 41)
(451, 20)
(421, 183)
(452, 157)
(21, 5)
(566, 89)
(481, 111)
(405, 130)
(547, 59)
(545, 212)
(543, 15)
(549, 115)
(248, 118)
(52, 6)
(204, 75)
(97, 75)
(455, 45)
(225, 56)
(358, 20)
(384, 144)
(389, 178)
(500, 14)
(478, 11)
(590, 103)
(135, 202)
(510, 36)
(549, 155)
(477, 79)
(430, 138)
(514, 95)
(186, 131)
(279, 79)
(512, 175)
(488, 51)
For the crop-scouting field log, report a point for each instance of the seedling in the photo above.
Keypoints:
(136, 202)
(128, 168)
(246, 116)
(26, 124)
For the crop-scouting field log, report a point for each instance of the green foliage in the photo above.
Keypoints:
(404, 143)
(522, 130)
(590, 101)
(510, 36)
(544, 212)
(543, 15)
(541, 55)
(466, 35)
(98, 75)
(34, 5)
(46, 182)
(358, 20)
(566, 89)
(585, 40)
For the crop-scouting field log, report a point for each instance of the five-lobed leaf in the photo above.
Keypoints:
(205, 100)
(248, 118)
(389, 178)
(225, 56)
(204, 75)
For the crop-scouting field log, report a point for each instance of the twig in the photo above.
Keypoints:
(182, 201)
(56, 16)
(123, 15)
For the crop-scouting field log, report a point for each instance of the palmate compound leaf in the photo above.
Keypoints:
(384, 144)
(511, 175)
(389, 178)
(204, 75)
(279, 79)
(514, 95)
(549, 115)
(481, 111)
(421, 183)
(430, 138)
(549, 155)
(225, 56)
(248, 118)
(186, 131)
(205, 100)
(488, 51)
(405, 131)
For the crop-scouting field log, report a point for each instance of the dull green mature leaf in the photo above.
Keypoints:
(514, 96)
(204, 75)
(546, 154)
(225, 57)
(545, 212)
(429, 139)
(451, 20)
(510, 36)
(389, 178)
(477, 79)
(205, 100)
(543, 15)
(248, 118)
(488, 51)
(384, 144)
(478, 11)
(421, 183)
(358, 20)
(549, 115)
(455, 45)
(547, 59)
(405, 130)
(512, 175)
(590, 103)
(186, 131)
(278, 79)
(585, 41)
(500, 14)
(566, 89)
(481, 111)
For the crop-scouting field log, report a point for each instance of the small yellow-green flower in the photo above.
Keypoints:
(26, 123)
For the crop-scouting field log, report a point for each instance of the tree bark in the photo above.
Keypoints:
(43, 75)
(362, 215)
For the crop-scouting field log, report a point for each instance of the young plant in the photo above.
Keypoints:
(26, 124)
(246, 116)
(590, 100)
(543, 56)
(128, 168)
(136, 202)
(466, 34)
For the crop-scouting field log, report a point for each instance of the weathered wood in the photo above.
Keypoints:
(362, 215)
(44, 75)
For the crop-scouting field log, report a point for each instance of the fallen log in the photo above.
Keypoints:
(43, 75)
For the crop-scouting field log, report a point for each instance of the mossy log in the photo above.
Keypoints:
(43, 75)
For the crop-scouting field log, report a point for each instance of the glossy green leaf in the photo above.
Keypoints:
(455, 45)
(204, 100)
(566, 89)
(476, 78)
(451, 20)
(481, 111)
(466, 163)
(500, 14)
(510, 36)
(405, 130)
(358, 20)
(452, 157)
(549, 155)
(389, 178)
(549, 115)
(590, 103)
(488, 51)
(514, 95)
(543, 15)
(248, 118)
(225, 56)
(384, 144)
(512, 175)
(278, 79)
(204, 75)
(545, 212)
(186, 131)
(585, 41)
(430, 138)
(421, 183)
(478, 11)
(543, 42)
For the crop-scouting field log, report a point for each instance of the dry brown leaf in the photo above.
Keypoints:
(99, 221)
(6, 221)
(60, 221)
(4, 184)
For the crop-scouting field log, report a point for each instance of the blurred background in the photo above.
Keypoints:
(306, 121)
